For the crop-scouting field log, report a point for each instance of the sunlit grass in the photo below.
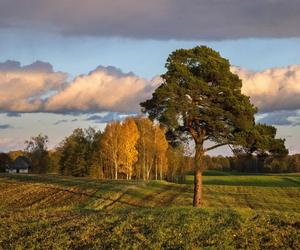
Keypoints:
(240, 211)
(280, 180)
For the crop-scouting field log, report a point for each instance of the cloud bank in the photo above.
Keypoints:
(38, 88)
(104, 89)
(23, 88)
(272, 89)
(156, 19)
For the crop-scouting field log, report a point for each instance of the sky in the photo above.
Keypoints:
(67, 64)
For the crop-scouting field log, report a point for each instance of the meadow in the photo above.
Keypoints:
(241, 211)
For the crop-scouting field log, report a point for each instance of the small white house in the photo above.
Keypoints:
(20, 165)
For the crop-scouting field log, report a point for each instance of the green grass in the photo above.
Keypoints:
(241, 179)
(172, 228)
(240, 212)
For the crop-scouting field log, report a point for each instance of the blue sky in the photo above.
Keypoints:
(145, 57)
(265, 41)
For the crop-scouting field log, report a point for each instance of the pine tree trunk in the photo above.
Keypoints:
(198, 199)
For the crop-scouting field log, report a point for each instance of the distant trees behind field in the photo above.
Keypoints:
(36, 150)
(136, 148)
(248, 163)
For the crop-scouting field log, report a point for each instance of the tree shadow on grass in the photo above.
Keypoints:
(82, 182)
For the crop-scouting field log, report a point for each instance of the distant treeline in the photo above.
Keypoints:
(250, 163)
(136, 148)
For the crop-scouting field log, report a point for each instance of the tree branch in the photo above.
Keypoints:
(206, 138)
(230, 148)
(215, 146)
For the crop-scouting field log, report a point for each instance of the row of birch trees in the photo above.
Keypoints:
(135, 148)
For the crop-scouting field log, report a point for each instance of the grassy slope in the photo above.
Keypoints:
(240, 212)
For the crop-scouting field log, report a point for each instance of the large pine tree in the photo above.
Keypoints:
(200, 99)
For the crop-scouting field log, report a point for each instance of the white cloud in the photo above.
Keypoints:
(108, 89)
(272, 89)
(104, 89)
(22, 88)
(37, 88)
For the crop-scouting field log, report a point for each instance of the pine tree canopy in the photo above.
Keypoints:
(201, 99)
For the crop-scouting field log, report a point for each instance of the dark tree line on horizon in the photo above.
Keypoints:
(135, 148)
(81, 154)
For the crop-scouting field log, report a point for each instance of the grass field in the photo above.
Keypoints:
(240, 212)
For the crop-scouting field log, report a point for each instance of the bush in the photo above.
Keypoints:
(5, 160)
